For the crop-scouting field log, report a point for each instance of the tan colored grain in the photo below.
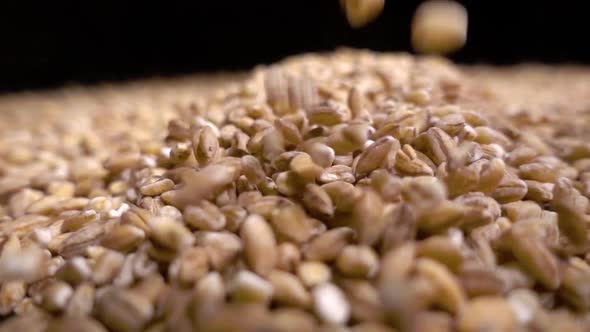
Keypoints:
(535, 257)
(259, 244)
(337, 173)
(249, 287)
(358, 261)
(313, 273)
(361, 12)
(192, 265)
(156, 188)
(451, 295)
(439, 27)
(516, 211)
(82, 301)
(169, 233)
(11, 293)
(288, 289)
(376, 155)
(408, 163)
(292, 223)
(538, 191)
(330, 304)
(56, 296)
(204, 216)
(441, 249)
(487, 313)
(221, 247)
(328, 245)
(289, 256)
(205, 145)
(123, 311)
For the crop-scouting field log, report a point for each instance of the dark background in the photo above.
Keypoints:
(46, 44)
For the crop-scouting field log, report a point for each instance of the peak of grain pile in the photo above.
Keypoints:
(349, 191)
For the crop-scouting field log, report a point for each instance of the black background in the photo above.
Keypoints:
(46, 44)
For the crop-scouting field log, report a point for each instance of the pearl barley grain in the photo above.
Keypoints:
(330, 304)
(361, 12)
(439, 26)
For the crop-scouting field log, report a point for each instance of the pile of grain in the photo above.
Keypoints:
(349, 191)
